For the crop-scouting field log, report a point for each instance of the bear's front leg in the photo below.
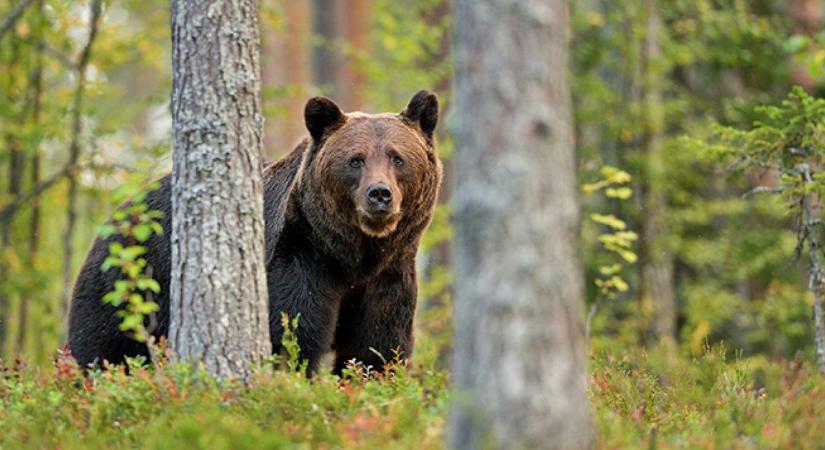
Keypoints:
(299, 285)
(376, 321)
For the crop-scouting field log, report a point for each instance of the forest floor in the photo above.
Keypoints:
(642, 399)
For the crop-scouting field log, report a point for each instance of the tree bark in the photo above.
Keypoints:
(519, 366)
(809, 224)
(656, 290)
(219, 306)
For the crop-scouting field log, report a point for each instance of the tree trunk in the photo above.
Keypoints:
(286, 63)
(219, 306)
(519, 366)
(74, 157)
(326, 62)
(34, 224)
(656, 290)
(355, 29)
(811, 213)
(13, 188)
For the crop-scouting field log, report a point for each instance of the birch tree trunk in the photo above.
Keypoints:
(219, 312)
(519, 365)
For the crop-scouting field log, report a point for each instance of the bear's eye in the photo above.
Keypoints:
(356, 163)
(397, 161)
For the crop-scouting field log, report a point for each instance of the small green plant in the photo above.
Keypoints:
(617, 240)
(134, 223)
(290, 357)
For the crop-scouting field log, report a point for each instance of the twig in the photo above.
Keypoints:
(61, 57)
(590, 315)
(763, 190)
(15, 14)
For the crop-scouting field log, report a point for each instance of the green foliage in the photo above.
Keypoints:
(290, 358)
(658, 400)
(786, 142)
(123, 117)
(732, 257)
(407, 51)
(641, 399)
(134, 223)
(174, 405)
(782, 138)
(617, 240)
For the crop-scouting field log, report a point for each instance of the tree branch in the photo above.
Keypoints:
(15, 14)
(9, 210)
(763, 190)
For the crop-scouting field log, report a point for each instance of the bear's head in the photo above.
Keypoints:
(377, 173)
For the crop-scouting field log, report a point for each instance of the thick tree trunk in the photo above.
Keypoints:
(219, 306)
(520, 367)
(656, 289)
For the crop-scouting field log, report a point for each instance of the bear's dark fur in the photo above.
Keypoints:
(344, 212)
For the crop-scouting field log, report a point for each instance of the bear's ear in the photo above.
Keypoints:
(423, 110)
(322, 115)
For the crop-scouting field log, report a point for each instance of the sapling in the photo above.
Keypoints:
(789, 141)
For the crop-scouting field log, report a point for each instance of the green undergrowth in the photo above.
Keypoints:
(653, 398)
(717, 400)
(176, 406)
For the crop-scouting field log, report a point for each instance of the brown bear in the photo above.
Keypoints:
(344, 213)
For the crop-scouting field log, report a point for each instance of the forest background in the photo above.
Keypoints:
(680, 262)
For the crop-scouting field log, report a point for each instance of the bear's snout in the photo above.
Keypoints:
(379, 197)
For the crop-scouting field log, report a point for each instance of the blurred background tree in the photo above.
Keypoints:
(712, 266)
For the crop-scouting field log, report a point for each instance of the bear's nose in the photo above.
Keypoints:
(379, 194)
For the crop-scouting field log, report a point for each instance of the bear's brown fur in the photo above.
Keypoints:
(344, 212)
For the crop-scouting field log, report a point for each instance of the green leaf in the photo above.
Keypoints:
(142, 232)
(107, 230)
(115, 248)
(148, 308)
(611, 269)
(621, 193)
(113, 298)
(148, 284)
(608, 220)
(131, 322)
(133, 251)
